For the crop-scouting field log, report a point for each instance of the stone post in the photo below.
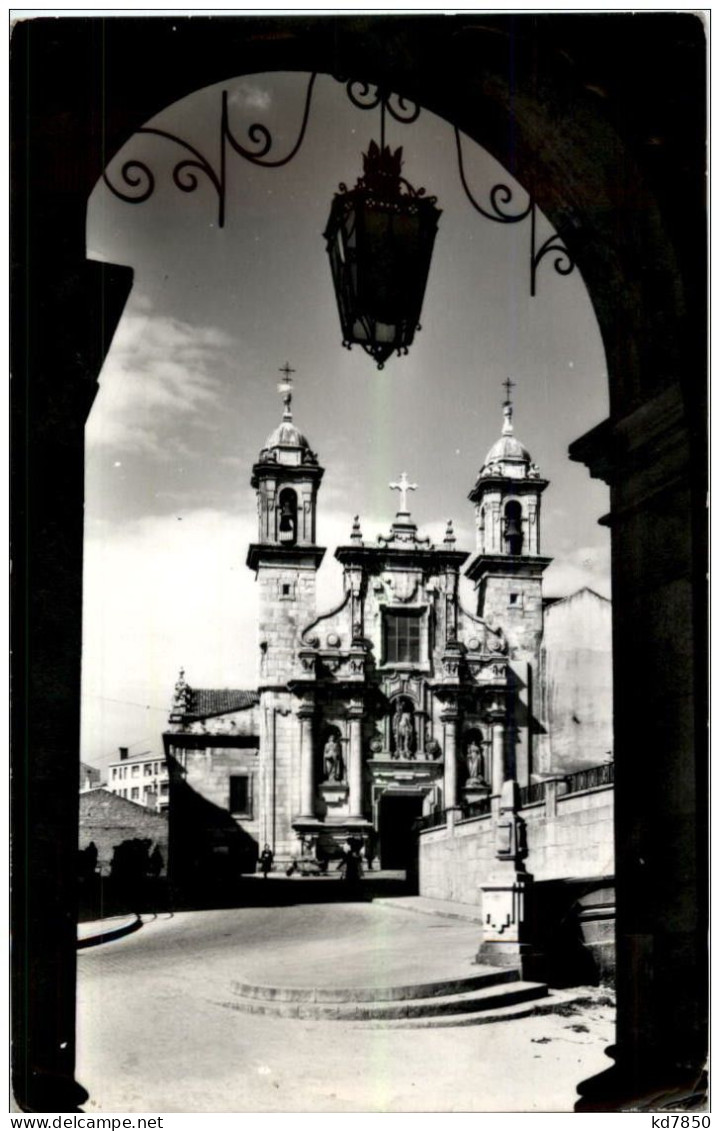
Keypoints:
(506, 889)
(307, 759)
(554, 788)
(355, 782)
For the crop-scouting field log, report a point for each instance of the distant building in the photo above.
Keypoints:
(142, 778)
(89, 777)
(576, 683)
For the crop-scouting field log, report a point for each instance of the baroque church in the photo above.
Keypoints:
(399, 703)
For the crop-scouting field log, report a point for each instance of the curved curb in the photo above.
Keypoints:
(127, 927)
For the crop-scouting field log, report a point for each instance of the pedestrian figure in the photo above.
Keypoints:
(266, 860)
(351, 864)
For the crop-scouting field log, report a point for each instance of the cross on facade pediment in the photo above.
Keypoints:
(403, 486)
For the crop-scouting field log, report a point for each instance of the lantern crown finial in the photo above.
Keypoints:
(381, 167)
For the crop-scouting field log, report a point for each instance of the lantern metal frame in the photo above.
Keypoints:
(381, 314)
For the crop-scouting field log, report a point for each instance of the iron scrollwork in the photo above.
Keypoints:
(563, 262)
(500, 198)
(368, 96)
(140, 181)
(137, 174)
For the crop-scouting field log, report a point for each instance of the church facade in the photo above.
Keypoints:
(400, 702)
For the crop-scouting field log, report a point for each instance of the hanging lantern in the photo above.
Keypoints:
(380, 239)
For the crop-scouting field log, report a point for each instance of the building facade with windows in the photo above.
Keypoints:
(142, 778)
(397, 704)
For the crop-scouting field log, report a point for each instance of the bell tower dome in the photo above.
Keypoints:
(286, 477)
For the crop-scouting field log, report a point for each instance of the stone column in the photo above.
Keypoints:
(307, 760)
(354, 771)
(450, 718)
(497, 718)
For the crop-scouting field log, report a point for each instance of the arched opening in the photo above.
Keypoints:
(513, 528)
(287, 517)
(622, 197)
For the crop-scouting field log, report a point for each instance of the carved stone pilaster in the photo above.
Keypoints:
(306, 715)
(355, 768)
(450, 716)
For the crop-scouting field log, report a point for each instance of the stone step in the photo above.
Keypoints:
(470, 1001)
(336, 994)
(556, 1001)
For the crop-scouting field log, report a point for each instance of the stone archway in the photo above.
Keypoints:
(613, 152)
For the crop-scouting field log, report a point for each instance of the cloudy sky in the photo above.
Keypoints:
(188, 392)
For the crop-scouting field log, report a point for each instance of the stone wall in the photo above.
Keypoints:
(516, 604)
(287, 606)
(109, 820)
(575, 843)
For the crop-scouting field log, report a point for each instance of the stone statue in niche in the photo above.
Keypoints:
(333, 760)
(404, 730)
(474, 760)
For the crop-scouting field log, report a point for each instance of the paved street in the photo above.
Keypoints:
(156, 1031)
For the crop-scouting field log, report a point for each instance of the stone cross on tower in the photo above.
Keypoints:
(403, 487)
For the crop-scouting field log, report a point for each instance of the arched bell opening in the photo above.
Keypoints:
(513, 528)
(287, 517)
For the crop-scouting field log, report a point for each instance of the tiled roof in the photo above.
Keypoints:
(210, 702)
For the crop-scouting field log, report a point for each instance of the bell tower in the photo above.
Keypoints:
(507, 567)
(285, 557)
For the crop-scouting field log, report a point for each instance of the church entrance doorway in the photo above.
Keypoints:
(398, 840)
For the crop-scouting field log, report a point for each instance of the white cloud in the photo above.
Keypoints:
(161, 593)
(587, 566)
(161, 373)
(249, 96)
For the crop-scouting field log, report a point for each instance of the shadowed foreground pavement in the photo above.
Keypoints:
(157, 1031)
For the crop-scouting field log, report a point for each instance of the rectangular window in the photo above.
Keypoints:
(134, 793)
(402, 638)
(135, 771)
(240, 795)
(148, 770)
(114, 773)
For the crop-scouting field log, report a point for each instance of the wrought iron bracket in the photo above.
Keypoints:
(500, 198)
(139, 181)
(137, 174)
